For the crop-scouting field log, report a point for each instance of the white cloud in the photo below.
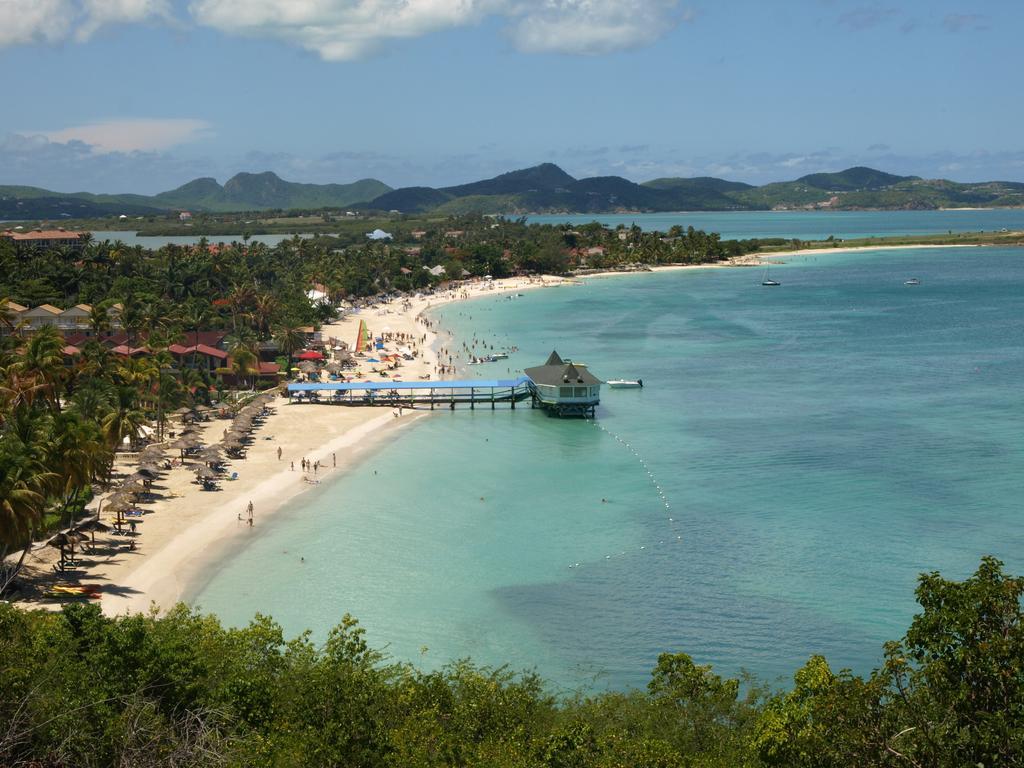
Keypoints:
(100, 13)
(339, 30)
(31, 21)
(591, 26)
(133, 135)
(51, 21)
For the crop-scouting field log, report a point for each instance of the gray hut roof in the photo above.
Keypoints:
(561, 373)
(554, 359)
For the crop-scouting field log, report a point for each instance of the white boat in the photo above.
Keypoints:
(912, 281)
(500, 355)
(625, 383)
(767, 280)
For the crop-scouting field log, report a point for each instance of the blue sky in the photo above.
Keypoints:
(143, 95)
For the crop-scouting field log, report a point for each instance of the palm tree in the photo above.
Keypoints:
(264, 308)
(194, 316)
(75, 453)
(126, 420)
(242, 362)
(289, 339)
(23, 482)
(99, 318)
(43, 362)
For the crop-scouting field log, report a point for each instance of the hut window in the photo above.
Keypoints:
(565, 391)
(581, 391)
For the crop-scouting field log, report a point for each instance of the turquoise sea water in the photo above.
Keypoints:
(818, 445)
(811, 225)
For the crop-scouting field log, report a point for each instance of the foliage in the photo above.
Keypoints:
(82, 689)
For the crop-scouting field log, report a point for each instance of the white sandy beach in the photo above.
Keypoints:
(188, 529)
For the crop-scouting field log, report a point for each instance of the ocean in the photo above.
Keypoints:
(797, 457)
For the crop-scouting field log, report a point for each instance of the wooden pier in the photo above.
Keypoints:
(560, 387)
(410, 394)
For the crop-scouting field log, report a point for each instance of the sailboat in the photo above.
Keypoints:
(768, 281)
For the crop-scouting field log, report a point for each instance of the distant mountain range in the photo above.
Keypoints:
(242, 192)
(547, 188)
(542, 188)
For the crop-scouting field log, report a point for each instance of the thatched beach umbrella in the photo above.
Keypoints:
(145, 474)
(205, 473)
(132, 488)
(66, 539)
(91, 526)
(307, 367)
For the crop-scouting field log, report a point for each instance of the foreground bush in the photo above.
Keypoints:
(78, 689)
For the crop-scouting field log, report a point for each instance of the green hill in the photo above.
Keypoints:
(541, 188)
(245, 191)
(539, 177)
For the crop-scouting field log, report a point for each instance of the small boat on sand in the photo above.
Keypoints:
(626, 383)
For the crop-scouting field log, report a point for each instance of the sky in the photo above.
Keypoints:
(145, 95)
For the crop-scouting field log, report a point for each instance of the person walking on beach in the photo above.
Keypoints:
(279, 453)
(293, 466)
(334, 459)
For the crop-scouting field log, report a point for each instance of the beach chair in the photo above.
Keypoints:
(234, 476)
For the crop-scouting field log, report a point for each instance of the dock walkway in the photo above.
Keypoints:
(436, 394)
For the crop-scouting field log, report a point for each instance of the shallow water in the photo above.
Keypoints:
(818, 445)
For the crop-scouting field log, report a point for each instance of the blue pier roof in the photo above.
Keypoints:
(377, 386)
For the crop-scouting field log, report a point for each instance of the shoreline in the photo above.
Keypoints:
(190, 533)
(185, 532)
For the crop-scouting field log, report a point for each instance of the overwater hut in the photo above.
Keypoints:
(564, 388)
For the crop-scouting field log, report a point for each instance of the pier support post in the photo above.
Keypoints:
(472, 398)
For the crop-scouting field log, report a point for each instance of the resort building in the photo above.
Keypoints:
(73, 321)
(39, 317)
(43, 239)
(564, 388)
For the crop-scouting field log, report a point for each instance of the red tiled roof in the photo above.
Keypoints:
(203, 349)
(177, 349)
(70, 350)
(268, 368)
(122, 349)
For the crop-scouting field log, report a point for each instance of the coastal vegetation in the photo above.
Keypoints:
(66, 410)
(182, 690)
(77, 688)
(542, 188)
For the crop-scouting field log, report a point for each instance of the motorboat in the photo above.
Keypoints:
(625, 383)
(912, 281)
